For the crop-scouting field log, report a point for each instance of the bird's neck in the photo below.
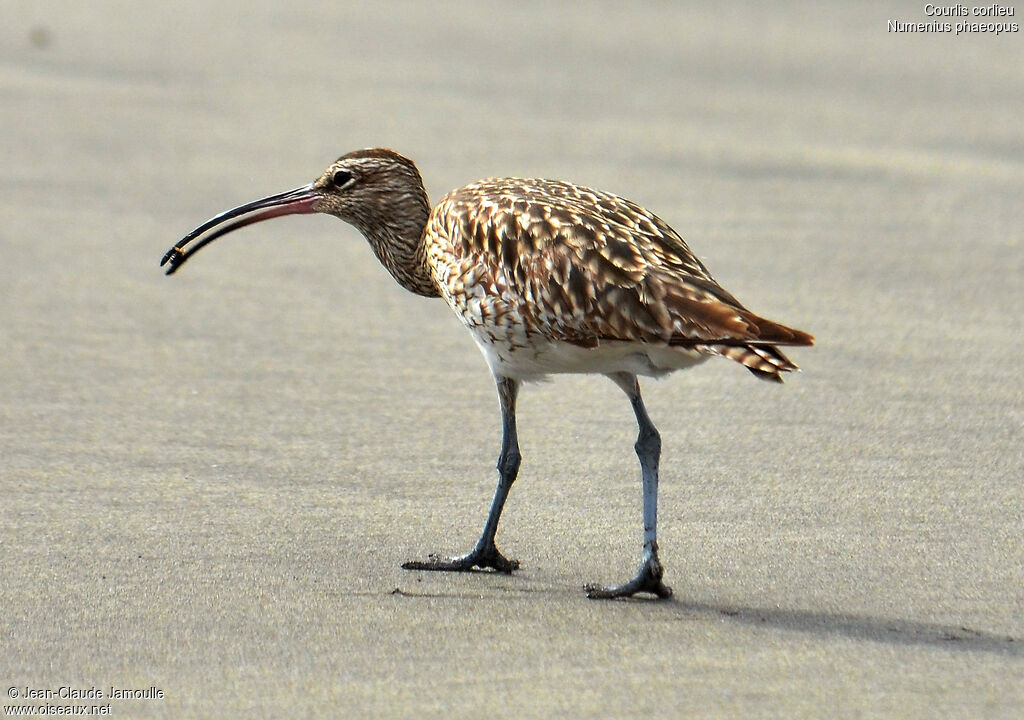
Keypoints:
(398, 240)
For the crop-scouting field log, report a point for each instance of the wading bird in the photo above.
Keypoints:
(549, 277)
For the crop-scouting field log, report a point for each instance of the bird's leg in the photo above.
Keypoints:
(648, 449)
(486, 554)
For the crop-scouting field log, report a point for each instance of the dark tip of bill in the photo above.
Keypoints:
(174, 256)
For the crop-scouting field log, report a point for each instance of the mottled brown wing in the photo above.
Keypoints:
(591, 266)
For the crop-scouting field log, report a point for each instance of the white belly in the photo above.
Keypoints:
(533, 358)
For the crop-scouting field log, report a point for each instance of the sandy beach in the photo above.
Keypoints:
(209, 482)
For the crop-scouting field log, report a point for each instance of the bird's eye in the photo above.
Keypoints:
(341, 178)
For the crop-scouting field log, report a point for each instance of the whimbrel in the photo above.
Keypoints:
(549, 278)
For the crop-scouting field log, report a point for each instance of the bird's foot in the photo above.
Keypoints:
(480, 558)
(647, 580)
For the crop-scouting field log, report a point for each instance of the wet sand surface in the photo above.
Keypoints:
(209, 482)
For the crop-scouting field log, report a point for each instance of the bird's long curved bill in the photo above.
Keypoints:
(294, 202)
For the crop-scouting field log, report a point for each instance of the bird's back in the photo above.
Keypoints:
(530, 264)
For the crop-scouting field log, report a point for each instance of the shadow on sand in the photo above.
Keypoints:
(957, 638)
(891, 631)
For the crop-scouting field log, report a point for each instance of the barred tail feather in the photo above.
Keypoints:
(764, 361)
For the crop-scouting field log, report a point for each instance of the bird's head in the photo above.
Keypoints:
(377, 190)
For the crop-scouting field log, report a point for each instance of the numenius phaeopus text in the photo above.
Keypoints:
(550, 278)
